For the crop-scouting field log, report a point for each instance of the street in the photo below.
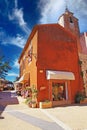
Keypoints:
(16, 115)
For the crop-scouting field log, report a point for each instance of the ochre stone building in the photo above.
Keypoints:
(50, 60)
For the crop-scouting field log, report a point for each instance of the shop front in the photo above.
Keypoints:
(59, 87)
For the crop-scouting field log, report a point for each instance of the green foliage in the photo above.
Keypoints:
(4, 67)
(28, 88)
(34, 90)
(28, 100)
(79, 96)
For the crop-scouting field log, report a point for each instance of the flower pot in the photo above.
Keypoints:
(45, 104)
(30, 105)
(83, 101)
(34, 105)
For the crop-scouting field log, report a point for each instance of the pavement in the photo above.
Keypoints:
(16, 115)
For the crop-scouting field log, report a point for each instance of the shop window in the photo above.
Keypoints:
(58, 91)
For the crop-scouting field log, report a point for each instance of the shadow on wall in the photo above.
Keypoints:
(7, 98)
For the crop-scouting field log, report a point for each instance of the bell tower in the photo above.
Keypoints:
(69, 22)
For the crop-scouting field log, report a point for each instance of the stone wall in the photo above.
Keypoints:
(83, 63)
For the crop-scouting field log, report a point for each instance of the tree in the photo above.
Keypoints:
(4, 67)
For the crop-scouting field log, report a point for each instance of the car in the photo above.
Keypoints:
(9, 86)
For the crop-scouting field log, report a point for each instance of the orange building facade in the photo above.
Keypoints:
(50, 62)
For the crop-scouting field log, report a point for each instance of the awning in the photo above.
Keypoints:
(20, 80)
(23, 78)
(60, 75)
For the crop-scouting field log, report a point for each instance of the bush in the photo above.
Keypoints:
(79, 96)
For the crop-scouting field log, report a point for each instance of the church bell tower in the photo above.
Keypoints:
(69, 22)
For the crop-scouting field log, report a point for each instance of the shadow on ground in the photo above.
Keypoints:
(7, 98)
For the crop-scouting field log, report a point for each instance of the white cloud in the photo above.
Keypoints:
(81, 8)
(17, 40)
(17, 16)
(12, 74)
(51, 10)
(15, 64)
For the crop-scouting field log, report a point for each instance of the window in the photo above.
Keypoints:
(71, 23)
(58, 91)
(70, 19)
(30, 53)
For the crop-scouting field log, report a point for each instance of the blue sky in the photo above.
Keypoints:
(18, 17)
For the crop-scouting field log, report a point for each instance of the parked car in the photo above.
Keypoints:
(9, 86)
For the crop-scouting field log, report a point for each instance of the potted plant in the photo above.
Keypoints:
(32, 99)
(34, 96)
(34, 92)
(79, 97)
(34, 104)
(28, 101)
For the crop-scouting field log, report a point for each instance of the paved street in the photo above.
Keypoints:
(16, 115)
